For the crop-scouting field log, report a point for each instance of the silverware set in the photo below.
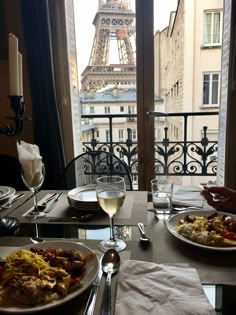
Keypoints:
(42, 207)
(109, 264)
(8, 204)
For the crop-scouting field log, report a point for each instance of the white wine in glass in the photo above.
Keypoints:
(110, 192)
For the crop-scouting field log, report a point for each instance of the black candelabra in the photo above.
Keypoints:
(18, 107)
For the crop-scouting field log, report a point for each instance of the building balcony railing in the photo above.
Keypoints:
(184, 156)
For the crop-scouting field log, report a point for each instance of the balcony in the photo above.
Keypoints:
(181, 157)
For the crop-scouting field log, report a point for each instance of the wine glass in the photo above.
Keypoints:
(110, 191)
(34, 185)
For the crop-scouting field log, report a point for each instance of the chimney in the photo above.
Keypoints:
(115, 91)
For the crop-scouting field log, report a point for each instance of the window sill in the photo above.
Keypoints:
(209, 107)
(211, 47)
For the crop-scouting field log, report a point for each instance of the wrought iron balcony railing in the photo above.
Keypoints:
(185, 157)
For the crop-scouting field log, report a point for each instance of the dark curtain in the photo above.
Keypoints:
(46, 122)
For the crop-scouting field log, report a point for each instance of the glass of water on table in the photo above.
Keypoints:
(162, 193)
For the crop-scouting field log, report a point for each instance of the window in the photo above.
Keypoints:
(213, 28)
(121, 135)
(107, 136)
(211, 88)
(97, 133)
(131, 110)
(122, 109)
(133, 134)
(107, 110)
(92, 111)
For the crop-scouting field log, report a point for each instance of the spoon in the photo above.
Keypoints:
(37, 240)
(143, 236)
(43, 205)
(110, 265)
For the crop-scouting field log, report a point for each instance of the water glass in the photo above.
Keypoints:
(162, 193)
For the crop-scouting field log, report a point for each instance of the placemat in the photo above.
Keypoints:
(134, 210)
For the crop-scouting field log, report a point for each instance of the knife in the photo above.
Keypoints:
(52, 205)
(80, 218)
(89, 308)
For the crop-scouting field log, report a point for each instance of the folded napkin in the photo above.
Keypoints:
(148, 288)
(184, 196)
(31, 162)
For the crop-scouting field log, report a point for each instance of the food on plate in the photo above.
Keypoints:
(212, 230)
(40, 276)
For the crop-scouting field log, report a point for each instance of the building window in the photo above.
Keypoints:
(122, 109)
(211, 88)
(107, 136)
(133, 134)
(107, 109)
(121, 135)
(92, 110)
(213, 28)
(97, 133)
(131, 110)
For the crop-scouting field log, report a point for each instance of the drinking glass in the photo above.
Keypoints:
(34, 186)
(110, 191)
(162, 193)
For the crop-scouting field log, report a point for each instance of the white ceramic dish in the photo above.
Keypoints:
(171, 223)
(84, 198)
(88, 277)
(4, 191)
(10, 193)
(84, 194)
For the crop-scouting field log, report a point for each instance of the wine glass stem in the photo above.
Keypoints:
(35, 200)
(112, 237)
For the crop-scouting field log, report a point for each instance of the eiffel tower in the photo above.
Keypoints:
(114, 21)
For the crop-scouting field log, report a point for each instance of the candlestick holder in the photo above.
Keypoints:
(18, 107)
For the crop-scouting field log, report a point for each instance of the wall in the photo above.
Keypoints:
(10, 22)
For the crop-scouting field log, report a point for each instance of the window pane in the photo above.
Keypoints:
(216, 28)
(215, 87)
(206, 88)
(208, 28)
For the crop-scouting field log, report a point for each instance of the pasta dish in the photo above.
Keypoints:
(211, 230)
(40, 276)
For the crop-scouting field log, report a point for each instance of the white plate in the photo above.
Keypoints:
(85, 194)
(4, 191)
(88, 277)
(171, 223)
(11, 192)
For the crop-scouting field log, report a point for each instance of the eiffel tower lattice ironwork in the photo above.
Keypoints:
(114, 21)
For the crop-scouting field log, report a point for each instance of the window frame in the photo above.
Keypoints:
(212, 44)
(107, 109)
(211, 73)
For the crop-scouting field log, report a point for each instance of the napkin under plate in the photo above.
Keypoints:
(148, 288)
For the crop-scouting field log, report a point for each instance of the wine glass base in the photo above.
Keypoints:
(106, 245)
(37, 215)
(8, 226)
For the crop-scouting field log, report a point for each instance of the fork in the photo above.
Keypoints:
(214, 196)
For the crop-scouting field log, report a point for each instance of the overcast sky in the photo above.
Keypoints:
(85, 11)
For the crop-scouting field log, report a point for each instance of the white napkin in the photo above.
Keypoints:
(147, 288)
(31, 162)
(185, 196)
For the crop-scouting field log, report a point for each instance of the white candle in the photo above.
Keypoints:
(13, 65)
(20, 72)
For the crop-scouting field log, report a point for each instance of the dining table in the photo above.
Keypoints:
(216, 268)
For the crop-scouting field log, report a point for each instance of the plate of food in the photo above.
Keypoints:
(41, 276)
(207, 229)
